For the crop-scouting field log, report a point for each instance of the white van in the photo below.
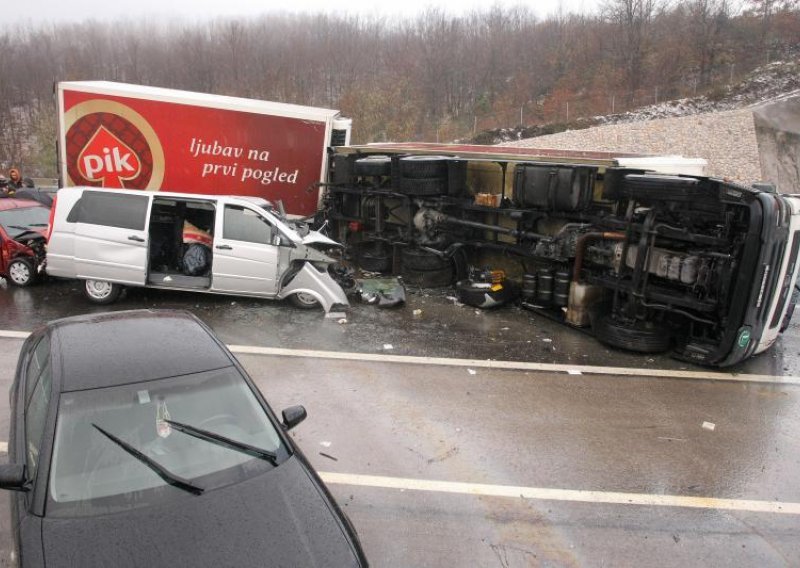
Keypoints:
(112, 238)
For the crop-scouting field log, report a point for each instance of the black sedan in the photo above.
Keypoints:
(137, 439)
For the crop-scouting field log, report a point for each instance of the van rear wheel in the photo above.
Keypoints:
(101, 292)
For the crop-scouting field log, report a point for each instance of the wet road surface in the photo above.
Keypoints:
(535, 430)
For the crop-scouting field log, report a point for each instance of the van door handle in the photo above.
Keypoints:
(135, 238)
(224, 247)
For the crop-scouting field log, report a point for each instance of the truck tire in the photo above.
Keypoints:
(101, 292)
(304, 301)
(374, 256)
(373, 166)
(423, 186)
(21, 272)
(641, 337)
(423, 167)
(429, 278)
(418, 259)
(664, 188)
(481, 297)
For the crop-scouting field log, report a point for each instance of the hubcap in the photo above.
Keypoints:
(19, 272)
(99, 289)
(306, 299)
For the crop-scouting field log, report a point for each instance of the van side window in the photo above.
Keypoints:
(111, 210)
(242, 224)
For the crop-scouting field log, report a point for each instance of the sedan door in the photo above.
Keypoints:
(245, 260)
(111, 238)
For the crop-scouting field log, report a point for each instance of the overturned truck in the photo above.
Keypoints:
(648, 261)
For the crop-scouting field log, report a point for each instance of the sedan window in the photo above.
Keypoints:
(91, 473)
(35, 418)
(22, 220)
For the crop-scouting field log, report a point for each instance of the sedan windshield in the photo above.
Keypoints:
(16, 222)
(120, 446)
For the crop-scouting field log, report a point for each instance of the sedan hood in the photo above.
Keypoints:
(278, 518)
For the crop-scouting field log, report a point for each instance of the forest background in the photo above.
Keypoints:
(432, 77)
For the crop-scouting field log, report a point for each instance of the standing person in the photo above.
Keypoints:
(16, 181)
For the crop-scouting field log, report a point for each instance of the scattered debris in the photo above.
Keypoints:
(342, 321)
(472, 371)
(385, 292)
(325, 444)
(417, 312)
(709, 426)
(330, 457)
(547, 340)
(388, 346)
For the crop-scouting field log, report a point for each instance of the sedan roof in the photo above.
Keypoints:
(102, 350)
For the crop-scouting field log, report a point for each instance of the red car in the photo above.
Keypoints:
(23, 224)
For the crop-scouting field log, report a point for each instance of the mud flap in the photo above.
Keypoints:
(318, 284)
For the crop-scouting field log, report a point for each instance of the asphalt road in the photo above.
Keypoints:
(446, 463)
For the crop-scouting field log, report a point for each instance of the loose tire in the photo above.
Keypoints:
(21, 272)
(641, 337)
(101, 292)
(479, 297)
(421, 167)
(304, 301)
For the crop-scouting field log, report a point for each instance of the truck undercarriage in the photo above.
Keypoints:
(650, 262)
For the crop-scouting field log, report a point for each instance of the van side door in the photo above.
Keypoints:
(245, 259)
(111, 237)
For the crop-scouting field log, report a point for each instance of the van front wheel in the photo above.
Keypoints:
(304, 301)
(101, 292)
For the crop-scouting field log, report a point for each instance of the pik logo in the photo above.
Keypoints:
(109, 160)
(109, 144)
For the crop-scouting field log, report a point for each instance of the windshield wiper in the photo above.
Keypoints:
(220, 440)
(160, 470)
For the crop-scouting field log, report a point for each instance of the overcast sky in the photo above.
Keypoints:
(41, 11)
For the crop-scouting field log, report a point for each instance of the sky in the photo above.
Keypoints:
(45, 11)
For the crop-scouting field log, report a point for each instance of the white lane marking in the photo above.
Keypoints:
(3, 447)
(497, 365)
(7, 334)
(515, 365)
(572, 495)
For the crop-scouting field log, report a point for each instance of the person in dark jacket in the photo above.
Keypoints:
(16, 181)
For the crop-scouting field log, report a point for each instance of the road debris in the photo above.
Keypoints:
(325, 444)
(330, 457)
(388, 346)
(472, 371)
(709, 426)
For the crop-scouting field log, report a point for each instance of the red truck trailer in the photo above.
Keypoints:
(149, 138)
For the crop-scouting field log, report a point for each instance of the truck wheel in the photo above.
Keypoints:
(422, 167)
(304, 301)
(21, 272)
(423, 186)
(374, 256)
(373, 166)
(429, 278)
(642, 337)
(480, 297)
(418, 259)
(101, 292)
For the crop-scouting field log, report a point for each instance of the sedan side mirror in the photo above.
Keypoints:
(293, 416)
(12, 476)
